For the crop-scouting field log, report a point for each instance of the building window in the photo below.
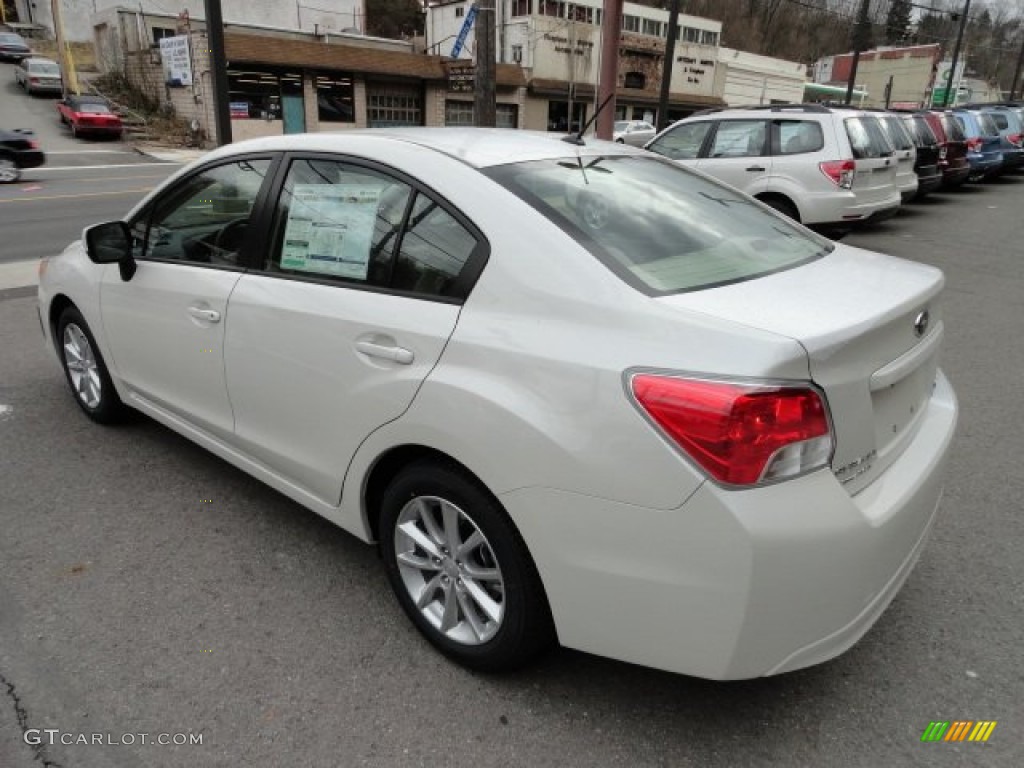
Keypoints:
(631, 24)
(708, 37)
(652, 28)
(256, 93)
(460, 12)
(558, 116)
(691, 35)
(552, 8)
(460, 113)
(634, 80)
(388, 105)
(520, 8)
(581, 13)
(335, 99)
(159, 33)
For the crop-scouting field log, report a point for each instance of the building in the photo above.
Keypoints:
(749, 78)
(903, 77)
(558, 45)
(286, 81)
(319, 16)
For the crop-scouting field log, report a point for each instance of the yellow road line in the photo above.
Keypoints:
(66, 197)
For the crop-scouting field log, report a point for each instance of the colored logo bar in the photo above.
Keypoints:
(959, 730)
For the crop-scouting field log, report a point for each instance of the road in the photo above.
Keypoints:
(82, 182)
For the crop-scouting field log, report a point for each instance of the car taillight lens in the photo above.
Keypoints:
(33, 144)
(1015, 139)
(943, 150)
(740, 434)
(841, 172)
(34, 80)
(973, 145)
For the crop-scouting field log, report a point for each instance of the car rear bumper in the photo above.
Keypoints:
(929, 180)
(954, 177)
(45, 87)
(737, 584)
(100, 130)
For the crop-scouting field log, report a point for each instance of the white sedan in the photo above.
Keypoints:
(573, 393)
(633, 132)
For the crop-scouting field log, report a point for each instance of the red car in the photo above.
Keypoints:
(952, 147)
(89, 115)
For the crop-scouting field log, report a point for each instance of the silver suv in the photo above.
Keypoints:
(822, 166)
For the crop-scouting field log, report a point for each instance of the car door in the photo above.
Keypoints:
(331, 338)
(683, 141)
(165, 326)
(738, 154)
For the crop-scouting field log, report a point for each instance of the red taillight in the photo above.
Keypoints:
(33, 144)
(841, 172)
(1015, 139)
(740, 434)
(34, 80)
(943, 151)
(973, 145)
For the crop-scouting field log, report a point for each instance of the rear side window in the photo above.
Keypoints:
(793, 137)
(1000, 120)
(683, 142)
(739, 138)
(866, 138)
(347, 223)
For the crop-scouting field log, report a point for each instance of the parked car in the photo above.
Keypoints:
(541, 377)
(983, 143)
(13, 47)
(952, 146)
(634, 132)
(1008, 122)
(818, 165)
(906, 154)
(926, 165)
(90, 116)
(18, 150)
(38, 75)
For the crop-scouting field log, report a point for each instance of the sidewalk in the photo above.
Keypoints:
(169, 154)
(18, 274)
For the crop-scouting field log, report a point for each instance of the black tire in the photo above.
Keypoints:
(524, 629)
(74, 130)
(106, 407)
(781, 205)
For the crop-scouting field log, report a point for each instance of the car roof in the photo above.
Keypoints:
(478, 147)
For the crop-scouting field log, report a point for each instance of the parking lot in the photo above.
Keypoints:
(146, 587)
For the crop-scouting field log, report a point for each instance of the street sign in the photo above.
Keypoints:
(464, 32)
(461, 76)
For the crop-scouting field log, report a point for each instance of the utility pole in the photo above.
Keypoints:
(956, 55)
(666, 70)
(483, 83)
(888, 92)
(219, 71)
(861, 36)
(611, 28)
(1016, 72)
(67, 67)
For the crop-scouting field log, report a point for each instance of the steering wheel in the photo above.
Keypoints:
(229, 238)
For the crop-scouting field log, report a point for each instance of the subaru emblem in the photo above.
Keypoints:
(921, 324)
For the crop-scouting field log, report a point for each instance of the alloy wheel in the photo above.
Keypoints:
(449, 570)
(8, 171)
(81, 364)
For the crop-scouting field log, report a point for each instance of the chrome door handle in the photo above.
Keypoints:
(756, 168)
(394, 354)
(209, 315)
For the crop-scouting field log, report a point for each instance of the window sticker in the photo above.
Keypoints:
(330, 229)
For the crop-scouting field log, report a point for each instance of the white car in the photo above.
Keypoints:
(573, 393)
(633, 132)
(824, 167)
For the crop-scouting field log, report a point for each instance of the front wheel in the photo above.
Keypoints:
(460, 570)
(85, 370)
(9, 172)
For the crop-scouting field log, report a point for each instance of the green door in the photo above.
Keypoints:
(294, 112)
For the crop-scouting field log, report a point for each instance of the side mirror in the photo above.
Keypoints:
(111, 243)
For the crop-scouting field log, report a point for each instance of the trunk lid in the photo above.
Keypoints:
(857, 314)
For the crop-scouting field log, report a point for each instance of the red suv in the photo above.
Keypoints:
(952, 147)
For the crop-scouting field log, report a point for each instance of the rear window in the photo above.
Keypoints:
(93, 109)
(866, 138)
(659, 227)
(988, 125)
(44, 67)
(1000, 120)
(895, 132)
(953, 128)
(923, 134)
